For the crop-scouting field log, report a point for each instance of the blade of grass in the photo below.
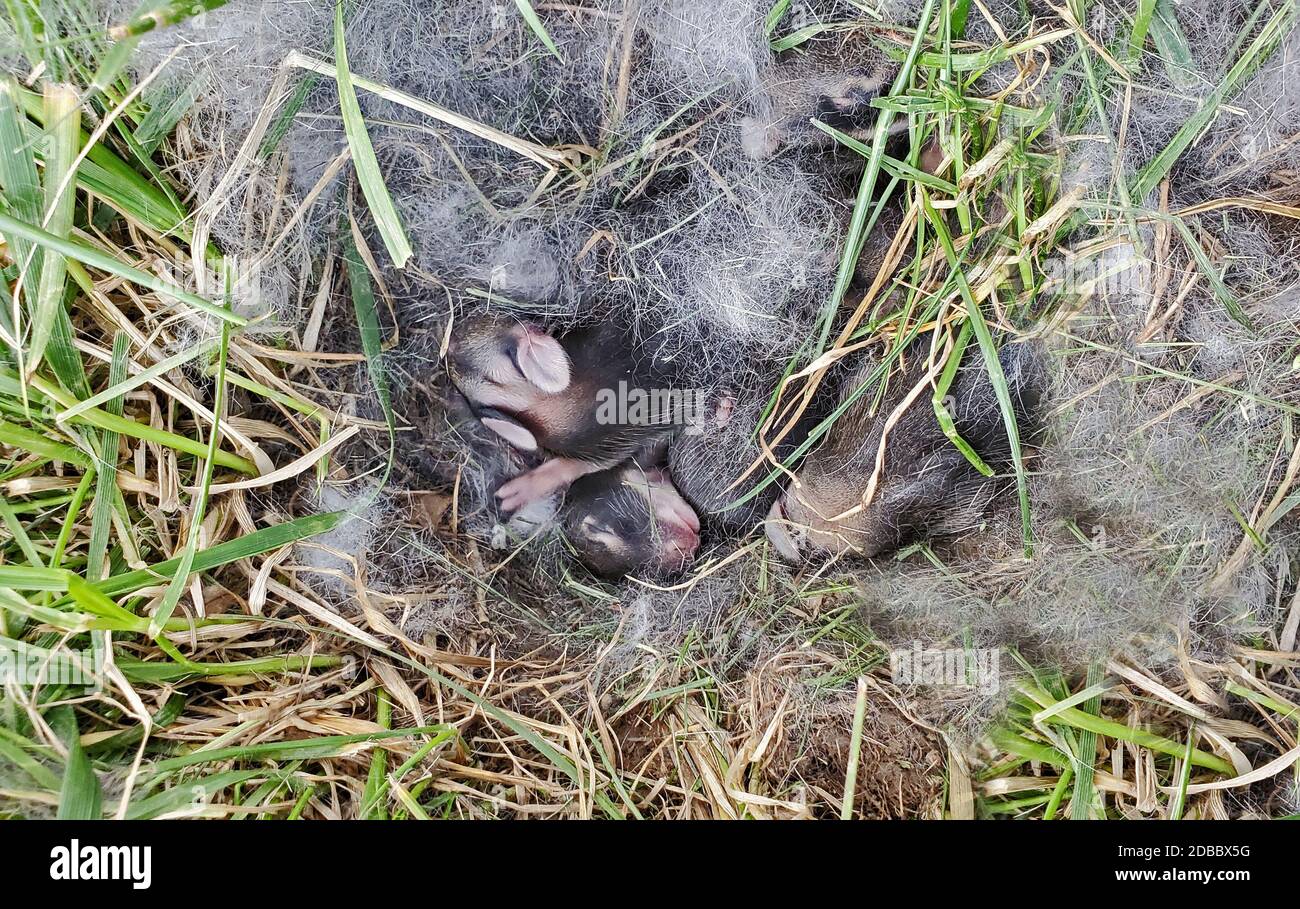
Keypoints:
(112, 180)
(177, 586)
(106, 485)
(80, 797)
(801, 36)
(25, 577)
(268, 539)
(325, 746)
(858, 221)
(1141, 26)
(855, 752)
(1172, 49)
(183, 669)
(1251, 58)
(363, 304)
(363, 154)
(276, 132)
(982, 60)
(957, 18)
(996, 376)
(373, 805)
(11, 227)
(61, 354)
(180, 798)
(1221, 291)
(1082, 803)
(773, 17)
(1179, 803)
(161, 719)
(129, 427)
(39, 773)
(941, 412)
(535, 23)
(63, 127)
(1058, 793)
(1077, 719)
(160, 122)
(396, 776)
(71, 518)
(18, 531)
(96, 603)
(547, 157)
(890, 164)
(510, 721)
(19, 179)
(130, 382)
(172, 13)
(38, 444)
(29, 29)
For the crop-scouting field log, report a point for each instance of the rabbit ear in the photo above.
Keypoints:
(512, 431)
(543, 362)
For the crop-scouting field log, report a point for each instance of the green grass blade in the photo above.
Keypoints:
(363, 303)
(25, 577)
(801, 36)
(180, 669)
(773, 17)
(171, 13)
(891, 165)
(180, 798)
(1212, 276)
(11, 227)
(1251, 58)
(40, 774)
(996, 376)
(19, 533)
(1172, 49)
(39, 444)
(19, 179)
(941, 412)
(1082, 803)
(63, 126)
(858, 226)
(128, 427)
(106, 484)
(1141, 26)
(957, 18)
(1179, 804)
(325, 746)
(256, 543)
(160, 121)
(62, 355)
(535, 23)
(72, 518)
(177, 586)
(161, 719)
(373, 805)
(363, 154)
(1058, 794)
(80, 797)
(96, 603)
(28, 29)
(130, 382)
(1077, 719)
